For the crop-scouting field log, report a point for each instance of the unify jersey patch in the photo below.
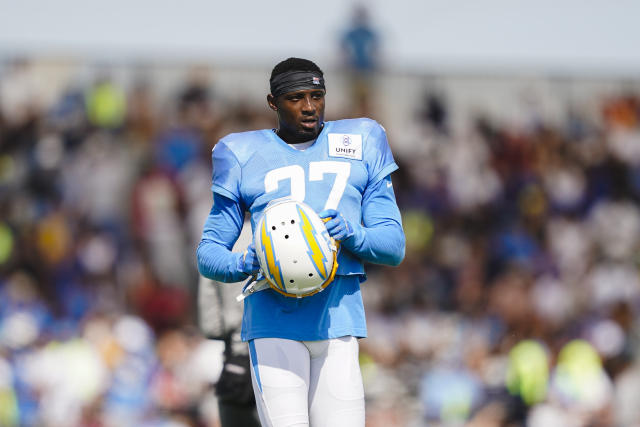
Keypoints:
(345, 145)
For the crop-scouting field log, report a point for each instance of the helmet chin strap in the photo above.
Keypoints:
(253, 284)
(257, 282)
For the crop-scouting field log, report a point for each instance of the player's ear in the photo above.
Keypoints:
(271, 102)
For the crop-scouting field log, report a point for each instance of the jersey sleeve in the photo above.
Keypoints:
(221, 230)
(226, 172)
(380, 238)
(377, 155)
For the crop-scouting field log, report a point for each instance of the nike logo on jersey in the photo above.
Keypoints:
(345, 145)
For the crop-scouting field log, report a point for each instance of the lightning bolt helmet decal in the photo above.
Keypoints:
(297, 256)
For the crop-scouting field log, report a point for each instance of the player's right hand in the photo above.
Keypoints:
(248, 263)
(337, 225)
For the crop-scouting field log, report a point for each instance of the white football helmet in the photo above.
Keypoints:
(297, 256)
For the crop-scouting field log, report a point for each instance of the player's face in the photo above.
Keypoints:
(300, 114)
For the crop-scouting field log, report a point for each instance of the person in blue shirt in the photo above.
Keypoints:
(304, 351)
(360, 46)
(361, 43)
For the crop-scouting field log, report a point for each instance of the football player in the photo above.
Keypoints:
(304, 351)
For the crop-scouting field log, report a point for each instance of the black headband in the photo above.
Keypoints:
(292, 81)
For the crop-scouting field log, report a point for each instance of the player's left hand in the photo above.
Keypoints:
(248, 263)
(337, 225)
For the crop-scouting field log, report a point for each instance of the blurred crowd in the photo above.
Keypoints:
(517, 303)
(103, 196)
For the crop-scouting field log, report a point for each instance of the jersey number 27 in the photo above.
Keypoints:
(317, 170)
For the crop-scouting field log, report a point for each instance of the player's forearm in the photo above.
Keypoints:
(218, 263)
(382, 244)
(222, 228)
(380, 238)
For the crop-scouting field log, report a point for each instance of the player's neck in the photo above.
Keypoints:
(296, 138)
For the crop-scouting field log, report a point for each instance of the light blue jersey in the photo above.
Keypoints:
(346, 169)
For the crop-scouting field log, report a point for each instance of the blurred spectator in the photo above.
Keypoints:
(528, 373)
(106, 103)
(184, 141)
(360, 46)
(20, 94)
(579, 383)
(434, 112)
(450, 394)
(141, 114)
(360, 42)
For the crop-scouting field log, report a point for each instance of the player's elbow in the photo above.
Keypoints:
(398, 259)
(398, 255)
(201, 257)
(395, 252)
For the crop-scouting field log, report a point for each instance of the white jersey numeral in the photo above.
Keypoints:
(296, 176)
(342, 171)
(294, 173)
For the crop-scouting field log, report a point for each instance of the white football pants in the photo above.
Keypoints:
(307, 383)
